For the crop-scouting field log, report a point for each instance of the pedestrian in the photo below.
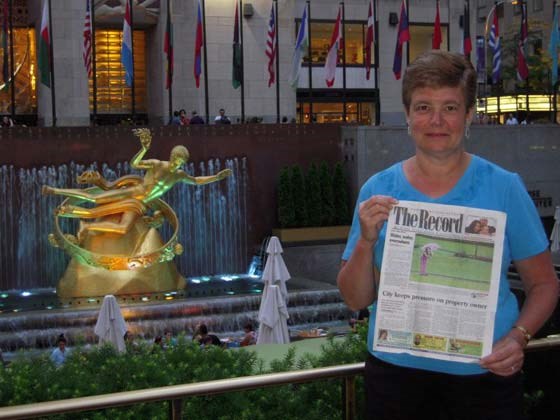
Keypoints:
(196, 119)
(222, 118)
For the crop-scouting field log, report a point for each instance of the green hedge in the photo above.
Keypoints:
(102, 370)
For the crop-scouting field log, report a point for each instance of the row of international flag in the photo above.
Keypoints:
(300, 49)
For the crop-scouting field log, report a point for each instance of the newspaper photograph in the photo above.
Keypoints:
(439, 281)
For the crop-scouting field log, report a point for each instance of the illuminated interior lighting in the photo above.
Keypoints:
(195, 281)
(168, 297)
(25, 294)
(145, 299)
(205, 278)
(226, 278)
(49, 307)
(92, 300)
(4, 295)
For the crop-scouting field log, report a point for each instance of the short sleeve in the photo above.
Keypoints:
(524, 229)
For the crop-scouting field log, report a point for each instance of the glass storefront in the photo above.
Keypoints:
(113, 95)
(23, 80)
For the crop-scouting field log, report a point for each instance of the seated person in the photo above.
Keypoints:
(201, 335)
(60, 354)
(250, 337)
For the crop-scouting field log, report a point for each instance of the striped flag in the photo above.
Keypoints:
(332, 56)
(494, 42)
(198, 44)
(467, 43)
(126, 48)
(369, 37)
(237, 65)
(402, 36)
(300, 50)
(436, 39)
(44, 47)
(271, 45)
(87, 41)
(522, 67)
(553, 46)
(168, 50)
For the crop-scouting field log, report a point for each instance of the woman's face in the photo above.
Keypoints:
(437, 118)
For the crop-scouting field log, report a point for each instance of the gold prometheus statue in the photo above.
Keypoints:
(117, 249)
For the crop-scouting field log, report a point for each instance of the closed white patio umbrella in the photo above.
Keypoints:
(273, 312)
(110, 325)
(555, 236)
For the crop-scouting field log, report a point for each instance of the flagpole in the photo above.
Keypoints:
(310, 62)
(206, 107)
(554, 89)
(170, 70)
(276, 29)
(53, 99)
(408, 43)
(133, 90)
(468, 22)
(12, 75)
(343, 64)
(93, 57)
(376, 55)
(523, 2)
(242, 66)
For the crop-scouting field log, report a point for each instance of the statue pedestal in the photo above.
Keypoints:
(81, 280)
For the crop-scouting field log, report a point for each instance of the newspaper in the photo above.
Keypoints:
(439, 281)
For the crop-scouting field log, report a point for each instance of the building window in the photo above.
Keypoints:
(421, 39)
(321, 32)
(333, 112)
(24, 81)
(113, 95)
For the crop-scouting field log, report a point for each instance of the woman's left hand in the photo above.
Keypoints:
(507, 356)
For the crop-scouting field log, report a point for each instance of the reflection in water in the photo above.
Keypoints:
(213, 222)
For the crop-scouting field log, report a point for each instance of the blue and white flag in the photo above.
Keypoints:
(494, 42)
(126, 49)
(300, 50)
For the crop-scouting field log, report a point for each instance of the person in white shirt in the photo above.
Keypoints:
(222, 118)
(512, 120)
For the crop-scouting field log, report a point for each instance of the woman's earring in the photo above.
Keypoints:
(408, 129)
(467, 131)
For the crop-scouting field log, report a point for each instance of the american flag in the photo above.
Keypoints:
(271, 45)
(369, 37)
(87, 41)
(494, 42)
(522, 68)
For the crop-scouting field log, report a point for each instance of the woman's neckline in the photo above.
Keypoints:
(439, 197)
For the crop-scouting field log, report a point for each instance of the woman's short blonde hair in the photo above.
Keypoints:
(437, 69)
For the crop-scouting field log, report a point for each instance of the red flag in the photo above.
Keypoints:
(198, 43)
(168, 50)
(271, 45)
(87, 41)
(402, 36)
(369, 37)
(436, 40)
(467, 44)
(522, 68)
(332, 56)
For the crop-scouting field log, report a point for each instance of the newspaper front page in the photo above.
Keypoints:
(439, 281)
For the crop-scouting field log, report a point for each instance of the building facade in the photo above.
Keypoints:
(78, 100)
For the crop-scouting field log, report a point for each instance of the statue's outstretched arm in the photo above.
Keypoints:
(201, 180)
(145, 136)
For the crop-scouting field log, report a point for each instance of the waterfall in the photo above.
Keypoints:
(212, 221)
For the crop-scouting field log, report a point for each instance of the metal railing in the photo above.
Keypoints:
(174, 394)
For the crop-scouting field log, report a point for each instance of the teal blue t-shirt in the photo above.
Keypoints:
(484, 185)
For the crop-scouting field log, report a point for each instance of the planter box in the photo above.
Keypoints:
(312, 234)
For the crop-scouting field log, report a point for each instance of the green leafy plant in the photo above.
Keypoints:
(328, 215)
(313, 189)
(286, 210)
(340, 192)
(298, 195)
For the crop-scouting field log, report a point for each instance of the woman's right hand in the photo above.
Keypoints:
(373, 212)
